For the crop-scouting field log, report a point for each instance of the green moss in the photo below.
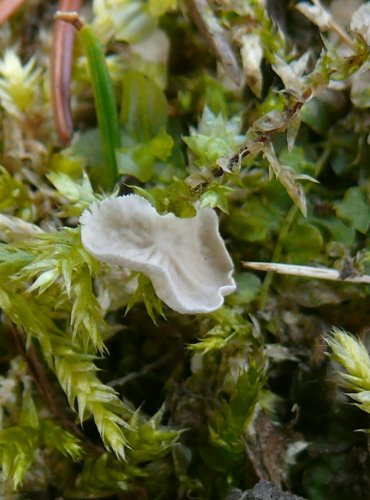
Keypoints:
(104, 390)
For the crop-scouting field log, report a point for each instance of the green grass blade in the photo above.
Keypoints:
(105, 105)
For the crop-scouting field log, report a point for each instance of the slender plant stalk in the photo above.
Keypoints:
(141, 373)
(105, 103)
(43, 385)
(7, 9)
(216, 37)
(337, 29)
(323, 273)
(284, 230)
(60, 74)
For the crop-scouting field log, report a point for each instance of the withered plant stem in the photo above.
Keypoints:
(61, 67)
(8, 8)
(45, 389)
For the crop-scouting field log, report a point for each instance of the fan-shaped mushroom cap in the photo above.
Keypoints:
(186, 259)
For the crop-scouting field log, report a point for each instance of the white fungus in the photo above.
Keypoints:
(186, 259)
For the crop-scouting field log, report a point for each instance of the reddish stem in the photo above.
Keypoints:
(36, 370)
(7, 9)
(61, 67)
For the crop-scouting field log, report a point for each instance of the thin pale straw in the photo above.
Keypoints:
(323, 273)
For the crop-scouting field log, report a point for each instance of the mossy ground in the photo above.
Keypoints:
(242, 118)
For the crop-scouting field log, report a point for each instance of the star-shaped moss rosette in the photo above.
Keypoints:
(186, 259)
